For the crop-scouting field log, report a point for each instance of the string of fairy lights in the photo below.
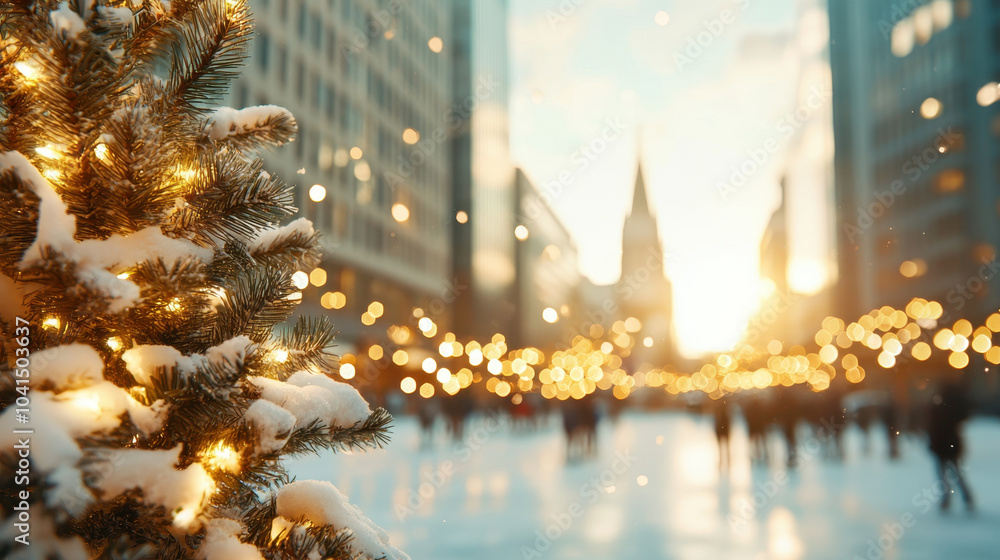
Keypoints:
(882, 339)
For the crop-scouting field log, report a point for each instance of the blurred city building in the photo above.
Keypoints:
(643, 291)
(548, 277)
(370, 84)
(916, 122)
(484, 201)
(799, 292)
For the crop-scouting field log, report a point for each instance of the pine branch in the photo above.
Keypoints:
(210, 45)
(308, 344)
(231, 200)
(372, 433)
(254, 304)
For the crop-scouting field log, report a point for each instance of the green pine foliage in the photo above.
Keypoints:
(109, 105)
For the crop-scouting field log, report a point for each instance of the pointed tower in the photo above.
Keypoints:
(774, 246)
(643, 290)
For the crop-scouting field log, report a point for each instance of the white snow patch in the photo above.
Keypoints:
(56, 229)
(273, 423)
(311, 397)
(269, 237)
(45, 543)
(226, 121)
(142, 361)
(68, 366)
(66, 21)
(321, 503)
(122, 15)
(182, 492)
(222, 542)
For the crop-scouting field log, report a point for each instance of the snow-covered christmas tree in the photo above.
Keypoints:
(147, 399)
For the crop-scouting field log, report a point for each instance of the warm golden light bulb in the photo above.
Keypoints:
(279, 355)
(318, 277)
(222, 457)
(51, 322)
(411, 136)
(317, 193)
(101, 151)
(115, 343)
(408, 385)
(174, 305)
(27, 69)
(47, 152)
(550, 315)
(400, 212)
(347, 371)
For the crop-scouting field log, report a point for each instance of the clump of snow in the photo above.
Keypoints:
(143, 361)
(321, 503)
(86, 404)
(66, 21)
(267, 238)
(273, 424)
(55, 225)
(45, 542)
(222, 542)
(226, 121)
(231, 351)
(311, 397)
(182, 492)
(122, 15)
(145, 244)
(56, 228)
(68, 366)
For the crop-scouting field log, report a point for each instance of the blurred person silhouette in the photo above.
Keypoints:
(457, 409)
(723, 421)
(427, 412)
(787, 415)
(949, 409)
(580, 426)
(755, 412)
(891, 421)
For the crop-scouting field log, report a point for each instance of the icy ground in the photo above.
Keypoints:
(655, 491)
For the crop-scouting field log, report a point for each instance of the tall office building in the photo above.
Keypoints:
(482, 179)
(370, 84)
(548, 300)
(916, 137)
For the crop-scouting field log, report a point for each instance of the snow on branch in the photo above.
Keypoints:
(94, 257)
(144, 361)
(222, 542)
(252, 127)
(65, 20)
(312, 397)
(184, 493)
(321, 503)
(90, 405)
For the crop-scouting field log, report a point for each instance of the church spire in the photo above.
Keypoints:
(640, 204)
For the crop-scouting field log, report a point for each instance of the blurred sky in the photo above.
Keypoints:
(578, 63)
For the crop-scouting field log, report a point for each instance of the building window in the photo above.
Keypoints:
(263, 51)
(282, 63)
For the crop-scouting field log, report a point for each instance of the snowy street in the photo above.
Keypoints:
(655, 491)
